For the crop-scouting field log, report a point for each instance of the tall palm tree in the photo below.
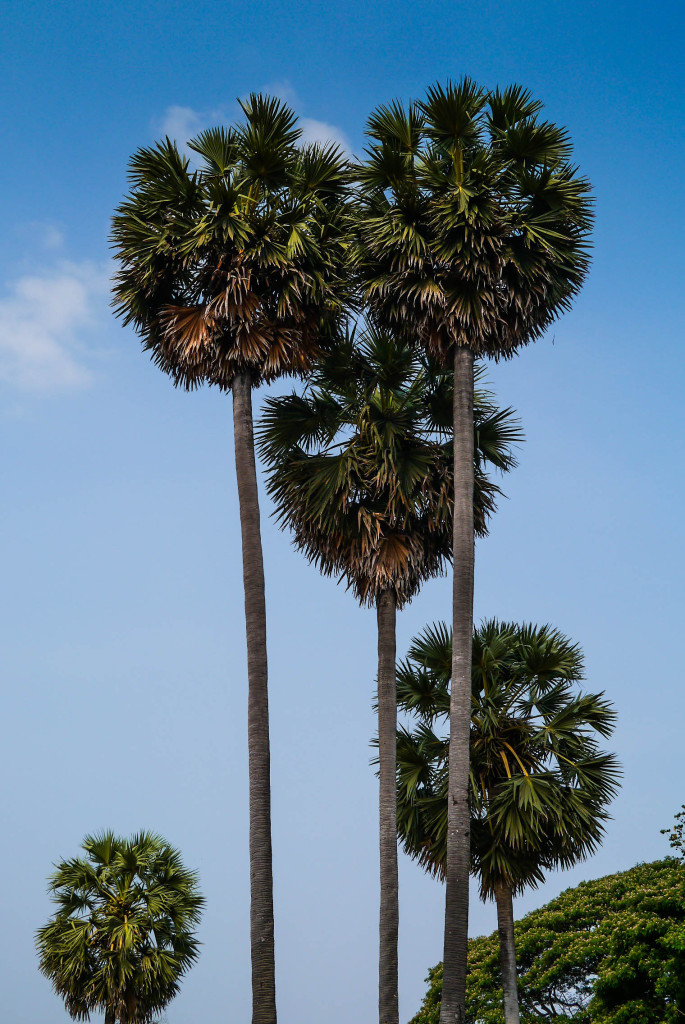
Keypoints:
(473, 236)
(231, 275)
(123, 933)
(361, 471)
(539, 784)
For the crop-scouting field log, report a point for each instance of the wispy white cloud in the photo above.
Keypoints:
(38, 234)
(181, 123)
(282, 88)
(52, 237)
(320, 131)
(312, 129)
(42, 319)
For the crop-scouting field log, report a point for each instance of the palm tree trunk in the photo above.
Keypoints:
(388, 1011)
(507, 953)
(261, 876)
(458, 820)
(110, 1016)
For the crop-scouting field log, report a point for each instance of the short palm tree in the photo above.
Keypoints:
(539, 784)
(473, 234)
(123, 933)
(231, 276)
(361, 471)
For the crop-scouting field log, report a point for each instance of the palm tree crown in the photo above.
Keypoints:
(474, 226)
(123, 933)
(360, 465)
(539, 783)
(233, 267)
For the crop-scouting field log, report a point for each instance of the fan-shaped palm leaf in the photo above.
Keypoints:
(360, 464)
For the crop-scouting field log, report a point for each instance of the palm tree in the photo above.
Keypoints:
(361, 471)
(473, 236)
(123, 933)
(539, 784)
(231, 276)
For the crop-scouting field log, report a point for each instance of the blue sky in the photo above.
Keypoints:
(123, 651)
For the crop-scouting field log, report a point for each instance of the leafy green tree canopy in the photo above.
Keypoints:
(123, 932)
(676, 834)
(609, 951)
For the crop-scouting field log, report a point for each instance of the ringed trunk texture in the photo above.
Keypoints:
(261, 875)
(452, 1010)
(388, 1011)
(507, 953)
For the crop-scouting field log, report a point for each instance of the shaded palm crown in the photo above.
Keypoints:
(474, 224)
(233, 267)
(360, 464)
(539, 783)
(123, 933)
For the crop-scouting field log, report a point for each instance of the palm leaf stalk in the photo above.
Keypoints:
(473, 237)
(360, 469)
(539, 784)
(231, 275)
(123, 932)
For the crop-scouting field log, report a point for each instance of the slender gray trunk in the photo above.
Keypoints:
(458, 819)
(388, 1011)
(261, 877)
(507, 953)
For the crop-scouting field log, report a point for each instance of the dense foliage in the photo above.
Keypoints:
(475, 222)
(539, 781)
(123, 932)
(234, 267)
(609, 951)
(360, 464)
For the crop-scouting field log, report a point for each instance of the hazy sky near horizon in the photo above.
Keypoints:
(123, 660)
